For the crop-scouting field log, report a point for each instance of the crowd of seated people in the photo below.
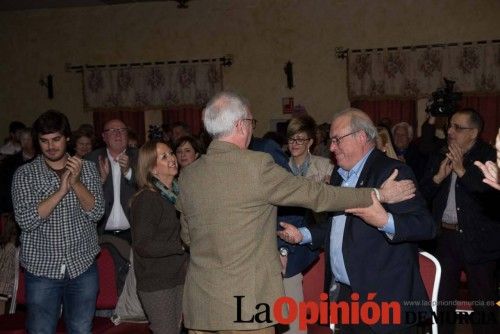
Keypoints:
(139, 191)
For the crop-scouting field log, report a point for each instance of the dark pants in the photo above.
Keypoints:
(481, 284)
(361, 328)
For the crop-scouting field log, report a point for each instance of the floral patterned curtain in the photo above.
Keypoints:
(151, 86)
(414, 73)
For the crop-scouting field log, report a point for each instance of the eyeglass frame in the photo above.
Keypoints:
(116, 131)
(296, 140)
(253, 120)
(457, 127)
(338, 140)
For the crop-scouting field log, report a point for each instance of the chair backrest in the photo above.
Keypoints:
(312, 286)
(18, 290)
(108, 293)
(313, 281)
(430, 270)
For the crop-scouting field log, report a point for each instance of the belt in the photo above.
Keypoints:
(453, 227)
(115, 232)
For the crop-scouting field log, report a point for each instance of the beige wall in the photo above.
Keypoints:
(261, 34)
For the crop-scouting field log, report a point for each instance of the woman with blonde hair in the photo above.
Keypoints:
(384, 143)
(159, 258)
(301, 134)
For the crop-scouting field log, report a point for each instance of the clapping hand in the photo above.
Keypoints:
(124, 162)
(490, 171)
(456, 156)
(74, 166)
(444, 170)
(65, 186)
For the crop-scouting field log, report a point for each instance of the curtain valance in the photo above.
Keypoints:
(419, 71)
(151, 86)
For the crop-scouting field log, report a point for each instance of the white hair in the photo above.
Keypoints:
(222, 112)
(408, 127)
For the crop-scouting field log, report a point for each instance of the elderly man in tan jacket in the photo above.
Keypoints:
(228, 202)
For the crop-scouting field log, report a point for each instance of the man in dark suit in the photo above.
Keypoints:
(371, 250)
(116, 164)
(466, 210)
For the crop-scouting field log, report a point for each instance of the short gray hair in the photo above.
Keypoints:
(408, 127)
(359, 121)
(222, 112)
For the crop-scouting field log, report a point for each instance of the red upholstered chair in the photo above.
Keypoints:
(312, 286)
(430, 270)
(107, 296)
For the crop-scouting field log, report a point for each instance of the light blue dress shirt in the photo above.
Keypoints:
(350, 179)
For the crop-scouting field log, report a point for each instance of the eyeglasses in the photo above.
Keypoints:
(298, 141)
(254, 122)
(458, 128)
(337, 140)
(116, 131)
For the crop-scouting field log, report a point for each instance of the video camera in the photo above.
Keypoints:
(444, 100)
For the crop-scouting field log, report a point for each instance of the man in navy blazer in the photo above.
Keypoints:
(374, 249)
(116, 164)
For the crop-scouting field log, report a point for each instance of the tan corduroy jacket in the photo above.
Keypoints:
(228, 201)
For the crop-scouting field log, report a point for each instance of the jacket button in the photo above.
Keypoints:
(458, 209)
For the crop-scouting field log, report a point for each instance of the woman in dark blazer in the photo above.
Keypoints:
(159, 258)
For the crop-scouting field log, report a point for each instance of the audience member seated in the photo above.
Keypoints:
(188, 150)
(10, 164)
(83, 143)
(12, 144)
(160, 261)
(384, 142)
(116, 164)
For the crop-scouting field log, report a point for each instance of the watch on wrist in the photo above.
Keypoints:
(283, 251)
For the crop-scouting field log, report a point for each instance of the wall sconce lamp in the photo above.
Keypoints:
(227, 60)
(49, 84)
(341, 53)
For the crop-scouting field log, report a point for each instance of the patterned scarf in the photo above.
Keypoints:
(302, 169)
(170, 195)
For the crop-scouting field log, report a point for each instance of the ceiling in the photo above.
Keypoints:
(10, 5)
